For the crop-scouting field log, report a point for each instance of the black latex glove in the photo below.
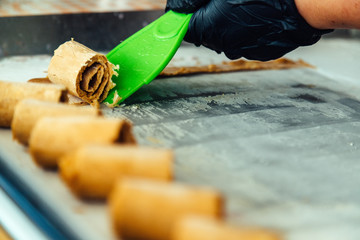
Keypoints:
(254, 29)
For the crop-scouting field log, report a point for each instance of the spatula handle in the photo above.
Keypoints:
(172, 24)
(145, 54)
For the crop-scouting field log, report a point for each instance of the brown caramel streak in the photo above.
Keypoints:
(233, 66)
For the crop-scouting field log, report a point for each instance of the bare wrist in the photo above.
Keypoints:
(326, 14)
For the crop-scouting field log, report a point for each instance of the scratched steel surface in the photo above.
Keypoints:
(283, 146)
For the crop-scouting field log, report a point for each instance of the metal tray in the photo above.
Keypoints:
(282, 146)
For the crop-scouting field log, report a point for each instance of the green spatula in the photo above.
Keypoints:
(145, 54)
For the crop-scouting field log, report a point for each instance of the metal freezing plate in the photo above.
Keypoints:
(282, 146)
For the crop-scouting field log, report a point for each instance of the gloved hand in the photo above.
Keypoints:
(254, 29)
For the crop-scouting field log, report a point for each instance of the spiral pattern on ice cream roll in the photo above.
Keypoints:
(85, 73)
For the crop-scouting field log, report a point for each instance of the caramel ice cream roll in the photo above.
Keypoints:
(85, 73)
(92, 170)
(53, 137)
(143, 209)
(205, 228)
(28, 112)
(13, 92)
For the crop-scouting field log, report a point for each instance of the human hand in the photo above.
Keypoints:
(254, 29)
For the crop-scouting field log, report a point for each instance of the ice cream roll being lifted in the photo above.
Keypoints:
(28, 112)
(204, 228)
(148, 209)
(13, 92)
(53, 137)
(92, 170)
(85, 73)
